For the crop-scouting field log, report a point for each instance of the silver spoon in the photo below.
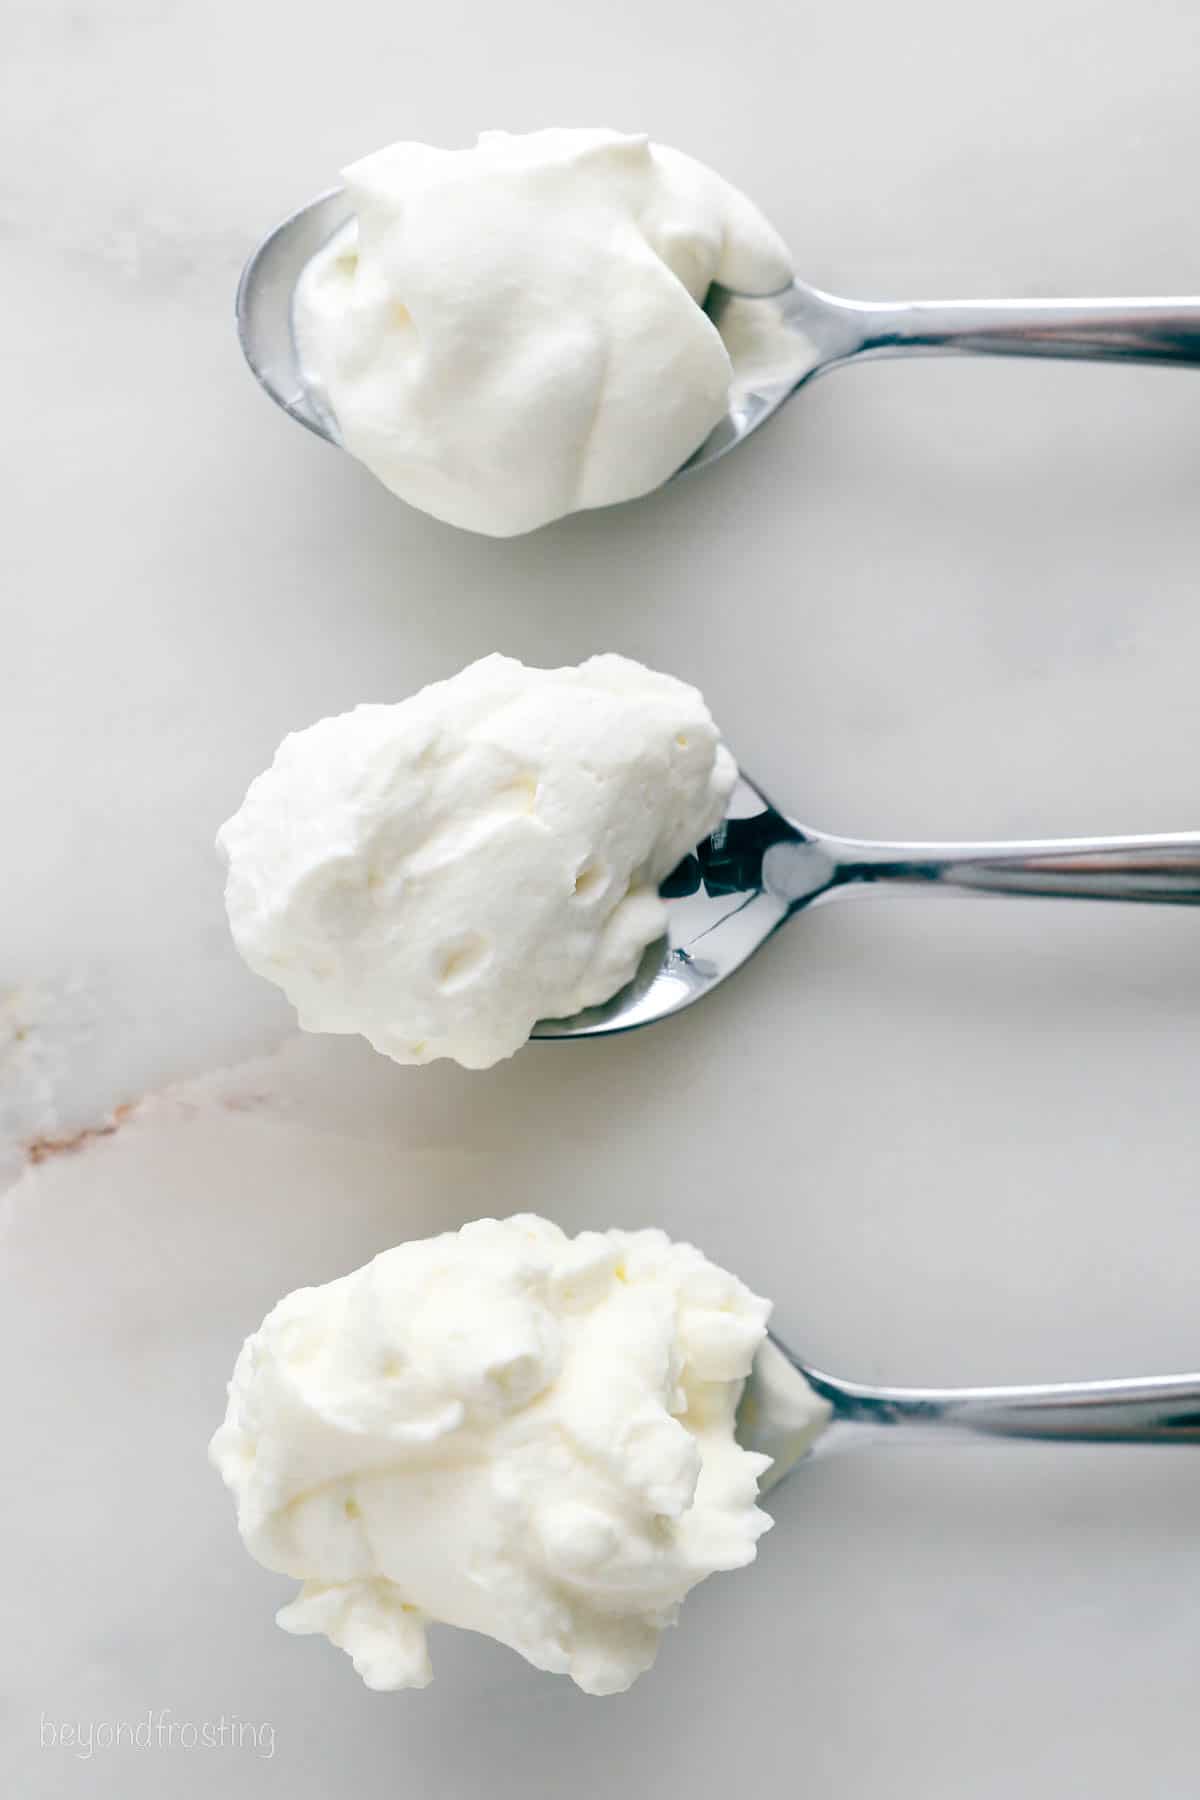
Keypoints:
(759, 868)
(788, 1410)
(776, 344)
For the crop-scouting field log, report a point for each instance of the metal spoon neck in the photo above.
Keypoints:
(1159, 1410)
(807, 865)
(1157, 329)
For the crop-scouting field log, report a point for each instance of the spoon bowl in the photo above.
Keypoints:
(719, 913)
(264, 308)
(769, 339)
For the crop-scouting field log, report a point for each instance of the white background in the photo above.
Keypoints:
(955, 1141)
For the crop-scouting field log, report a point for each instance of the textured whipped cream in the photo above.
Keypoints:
(440, 874)
(512, 332)
(505, 1429)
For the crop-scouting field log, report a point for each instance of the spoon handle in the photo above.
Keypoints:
(1164, 1410)
(1132, 331)
(1163, 869)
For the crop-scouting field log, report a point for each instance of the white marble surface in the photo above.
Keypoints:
(956, 1141)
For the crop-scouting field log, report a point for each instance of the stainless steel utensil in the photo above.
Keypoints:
(759, 868)
(776, 344)
(788, 1410)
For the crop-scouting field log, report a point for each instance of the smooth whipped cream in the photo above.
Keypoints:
(515, 331)
(440, 874)
(506, 1429)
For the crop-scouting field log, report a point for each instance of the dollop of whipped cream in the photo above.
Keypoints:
(441, 873)
(512, 332)
(506, 1429)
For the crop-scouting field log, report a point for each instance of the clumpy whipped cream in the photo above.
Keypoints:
(440, 874)
(512, 332)
(506, 1429)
